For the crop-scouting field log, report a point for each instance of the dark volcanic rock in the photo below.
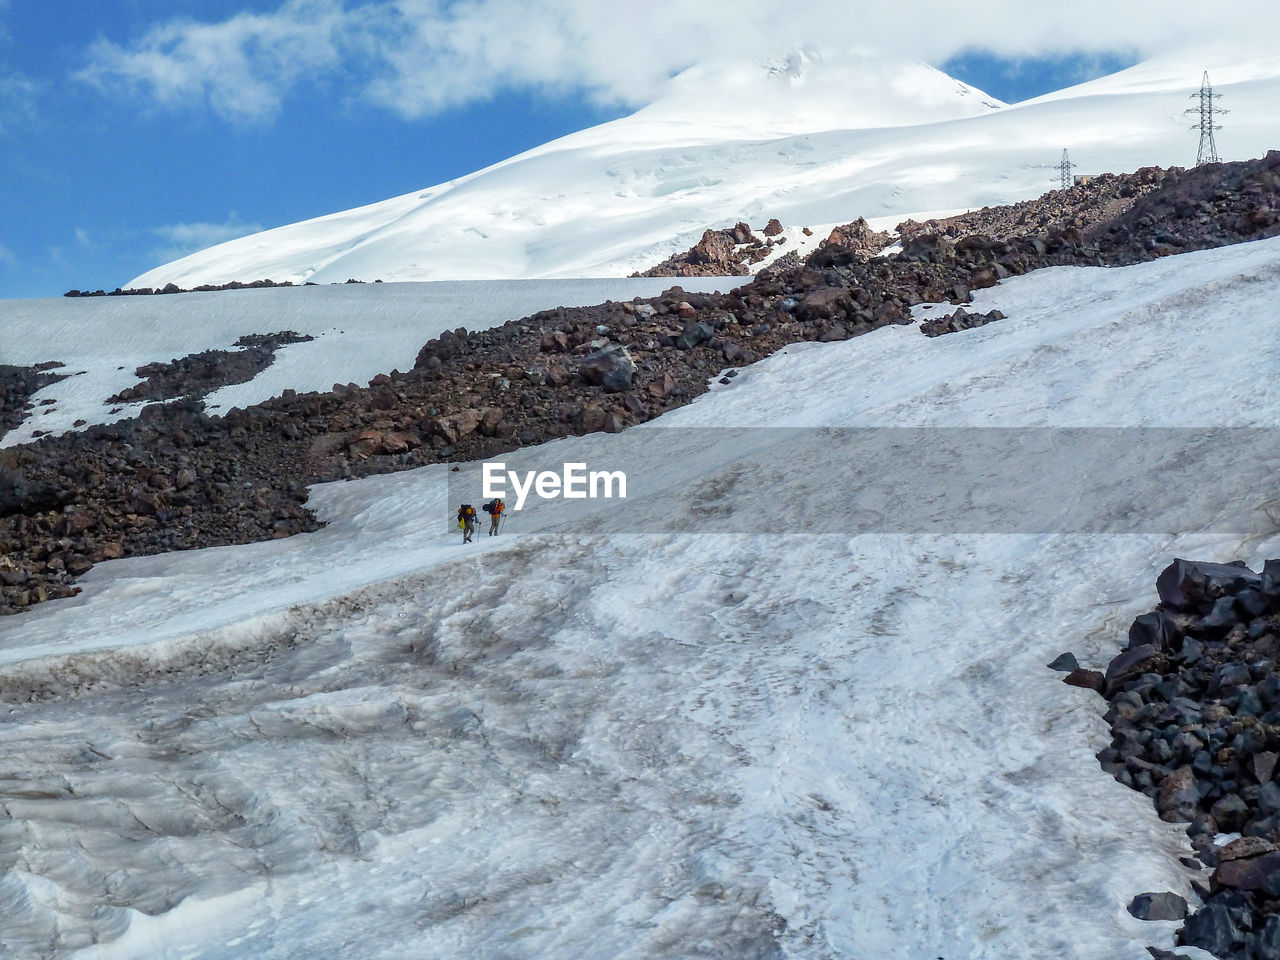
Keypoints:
(1158, 906)
(199, 374)
(1214, 928)
(1066, 662)
(174, 288)
(17, 384)
(1089, 679)
(1186, 585)
(610, 367)
(1195, 720)
(962, 319)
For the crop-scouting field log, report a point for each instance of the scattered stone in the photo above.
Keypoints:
(1065, 662)
(1158, 906)
(962, 319)
(1089, 679)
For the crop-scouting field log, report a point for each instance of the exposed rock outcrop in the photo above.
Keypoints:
(17, 384)
(199, 374)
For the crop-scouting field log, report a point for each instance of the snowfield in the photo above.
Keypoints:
(372, 742)
(360, 330)
(812, 140)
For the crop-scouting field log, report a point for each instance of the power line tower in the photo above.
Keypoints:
(1065, 180)
(1208, 152)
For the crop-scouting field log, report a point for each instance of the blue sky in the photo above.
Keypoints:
(135, 131)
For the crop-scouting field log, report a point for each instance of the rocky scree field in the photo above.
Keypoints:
(175, 478)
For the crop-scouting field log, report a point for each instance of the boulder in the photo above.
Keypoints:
(1230, 812)
(1158, 906)
(772, 228)
(554, 342)
(592, 419)
(715, 249)
(1213, 929)
(856, 237)
(1130, 663)
(491, 422)
(1250, 873)
(825, 303)
(1222, 616)
(662, 387)
(1177, 797)
(394, 441)
(556, 376)
(1244, 847)
(928, 248)
(365, 444)
(109, 551)
(610, 367)
(1156, 629)
(1266, 942)
(1065, 662)
(1185, 584)
(695, 332)
(458, 425)
(735, 353)
(1089, 679)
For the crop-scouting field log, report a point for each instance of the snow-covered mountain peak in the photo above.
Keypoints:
(805, 90)
(811, 138)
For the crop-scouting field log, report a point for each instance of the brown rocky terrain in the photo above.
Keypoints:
(720, 253)
(731, 252)
(175, 478)
(199, 374)
(17, 384)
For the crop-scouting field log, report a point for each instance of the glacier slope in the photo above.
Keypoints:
(364, 742)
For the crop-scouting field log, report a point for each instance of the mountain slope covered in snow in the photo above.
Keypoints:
(810, 140)
(364, 742)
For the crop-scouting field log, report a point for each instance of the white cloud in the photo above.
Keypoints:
(242, 68)
(6, 255)
(181, 239)
(17, 98)
(416, 57)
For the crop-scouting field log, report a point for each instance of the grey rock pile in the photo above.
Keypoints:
(1194, 710)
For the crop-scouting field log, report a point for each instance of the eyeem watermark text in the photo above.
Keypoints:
(574, 482)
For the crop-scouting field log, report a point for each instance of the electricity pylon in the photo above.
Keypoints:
(1064, 172)
(1208, 152)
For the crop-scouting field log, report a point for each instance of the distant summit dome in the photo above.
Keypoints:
(805, 90)
(810, 137)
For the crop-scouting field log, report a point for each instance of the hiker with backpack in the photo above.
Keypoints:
(495, 509)
(467, 521)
